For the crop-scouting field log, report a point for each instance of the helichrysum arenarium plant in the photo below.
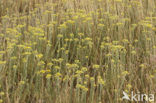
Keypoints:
(76, 51)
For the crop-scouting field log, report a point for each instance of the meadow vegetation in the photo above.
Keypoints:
(76, 51)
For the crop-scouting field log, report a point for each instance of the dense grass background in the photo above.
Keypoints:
(76, 51)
